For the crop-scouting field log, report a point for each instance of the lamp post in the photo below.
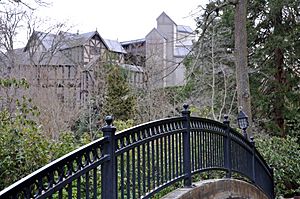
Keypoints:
(243, 122)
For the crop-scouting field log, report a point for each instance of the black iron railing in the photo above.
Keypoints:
(143, 160)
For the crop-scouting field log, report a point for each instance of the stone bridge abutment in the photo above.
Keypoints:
(218, 189)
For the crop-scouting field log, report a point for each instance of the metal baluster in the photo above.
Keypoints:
(70, 190)
(165, 158)
(133, 173)
(79, 187)
(95, 178)
(213, 143)
(181, 154)
(153, 163)
(157, 162)
(221, 162)
(169, 157)
(201, 150)
(139, 170)
(40, 186)
(122, 175)
(216, 149)
(148, 167)
(173, 156)
(206, 145)
(198, 161)
(144, 169)
(127, 174)
(87, 185)
(192, 139)
(60, 194)
(219, 159)
(176, 153)
(161, 160)
(211, 149)
(51, 182)
(195, 150)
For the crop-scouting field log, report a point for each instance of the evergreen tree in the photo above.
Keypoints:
(119, 100)
(275, 57)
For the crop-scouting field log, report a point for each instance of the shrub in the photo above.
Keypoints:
(284, 156)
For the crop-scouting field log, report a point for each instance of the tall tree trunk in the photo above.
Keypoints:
(279, 75)
(241, 58)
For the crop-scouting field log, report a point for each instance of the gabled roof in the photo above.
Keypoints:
(61, 41)
(47, 40)
(164, 14)
(184, 29)
(114, 46)
(136, 41)
(73, 40)
(154, 30)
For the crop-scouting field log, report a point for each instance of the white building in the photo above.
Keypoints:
(163, 51)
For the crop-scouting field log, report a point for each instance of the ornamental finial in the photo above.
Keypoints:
(109, 119)
(185, 106)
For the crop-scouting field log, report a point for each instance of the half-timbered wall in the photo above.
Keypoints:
(94, 47)
(71, 77)
(75, 54)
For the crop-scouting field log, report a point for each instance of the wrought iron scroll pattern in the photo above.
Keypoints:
(59, 177)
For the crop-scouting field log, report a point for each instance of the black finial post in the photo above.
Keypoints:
(226, 120)
(109, 180)
(186, 146)
(252, 142)
(227, 147)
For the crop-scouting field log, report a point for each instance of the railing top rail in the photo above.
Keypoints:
(43, 171)
(259, 156)
(193, 118)
(166, 121)
(148, 125)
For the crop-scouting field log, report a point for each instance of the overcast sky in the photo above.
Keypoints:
(120, 19)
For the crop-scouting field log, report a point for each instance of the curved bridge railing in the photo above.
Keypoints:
(141, 161)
